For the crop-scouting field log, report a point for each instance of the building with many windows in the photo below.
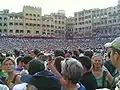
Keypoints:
(15, 24)
(98, 22)
(26, 23)
(54, 24)
(85, 23)
(4, 21)
(32, 20)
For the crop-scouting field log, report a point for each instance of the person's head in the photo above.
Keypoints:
(8, 54)
(35, 53)
(25, 61)
(57, 63)
(80, 50)
(75, 53)
(86, 62)
(8, 64)
(97, 61)
(35, 66)
(16, 52)
(59, 53)
(19, 59)
(89, 54)
(114, 52)
(72, 70)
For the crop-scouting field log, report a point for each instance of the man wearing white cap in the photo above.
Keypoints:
(115, 58)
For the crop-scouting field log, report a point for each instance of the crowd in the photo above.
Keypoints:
(48, 45)
(59, 64)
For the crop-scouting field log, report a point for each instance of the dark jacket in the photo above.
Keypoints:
(45, 80)
(110, 67)
(89, 81)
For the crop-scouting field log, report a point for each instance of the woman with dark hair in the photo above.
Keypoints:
(57, 63)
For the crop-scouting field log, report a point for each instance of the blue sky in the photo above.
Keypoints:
(48, 6)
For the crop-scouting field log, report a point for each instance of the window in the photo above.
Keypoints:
(43, 33)
(5, 30)
(30, 24)
(59, 22)
(11, 23)
(48, 33)
(109, 13)
(48, 26)
(52, 26)
(26, 14)
(110, 21)
(0, 30)
(34, 24)
(15, 23)
(11, 17)
(5, 24)
(17, 31)
(5, 18)
(30, 14)
(16, 17)
(11, 31)
(26, 24)
(34, 15)
(48, 30)
(0, 18)
(20, 17)
(21, 24)
(0, 24)
(21, 31)
(28, 31)
(38, 15)
(37, 32)
(38, 24)
(114, 20)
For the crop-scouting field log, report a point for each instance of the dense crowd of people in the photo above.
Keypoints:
(48, 45)
(59, 64)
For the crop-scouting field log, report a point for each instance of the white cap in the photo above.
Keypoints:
(21, 86)
(115, 43)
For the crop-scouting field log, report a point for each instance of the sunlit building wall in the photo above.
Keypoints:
(32, 17)
(98, 21)
(54, 24)
(83, 22)
(15, 24)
